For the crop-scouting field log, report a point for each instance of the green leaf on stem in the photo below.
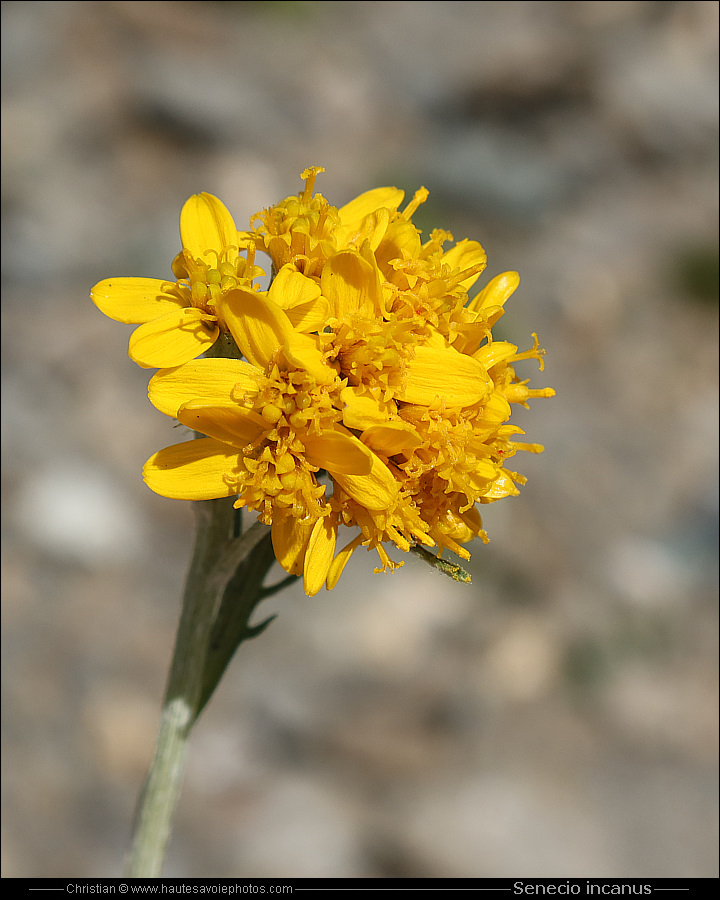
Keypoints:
(231, 627)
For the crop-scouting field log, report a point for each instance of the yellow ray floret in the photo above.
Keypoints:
(179, 319)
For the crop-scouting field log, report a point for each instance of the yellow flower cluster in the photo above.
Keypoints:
(370, 391)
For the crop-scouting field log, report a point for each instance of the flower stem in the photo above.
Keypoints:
(215, 560)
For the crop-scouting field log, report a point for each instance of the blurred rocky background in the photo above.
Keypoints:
(556, 718)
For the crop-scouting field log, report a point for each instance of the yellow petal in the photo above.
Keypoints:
(464, 255)
(363, 409)
(291, 288)
(496, 410)
(469, 336)
(319, 554)
(437, 340)
(377, 296)
(338, 452)
(290, 537)
(310, 316)
(376, 492)
(387, 197)
(391, 438)
(277, 246)
(372, 229)
(194, 470)
(508, 430)
(340, 561)
(172, 339)
(209, 380)
(457, 379)
(495, 292)
(401, 241)
(497, 352)
(483, 473)
(301, 350)
(472, 519)
(260, 327)
(135, 300)
(206, 226)
(227, 422)
(350, 284)
(502, 486)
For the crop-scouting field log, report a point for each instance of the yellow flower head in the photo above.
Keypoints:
(179, 319)
(371, 393)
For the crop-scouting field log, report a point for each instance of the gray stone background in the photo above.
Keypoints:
(556, 718)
